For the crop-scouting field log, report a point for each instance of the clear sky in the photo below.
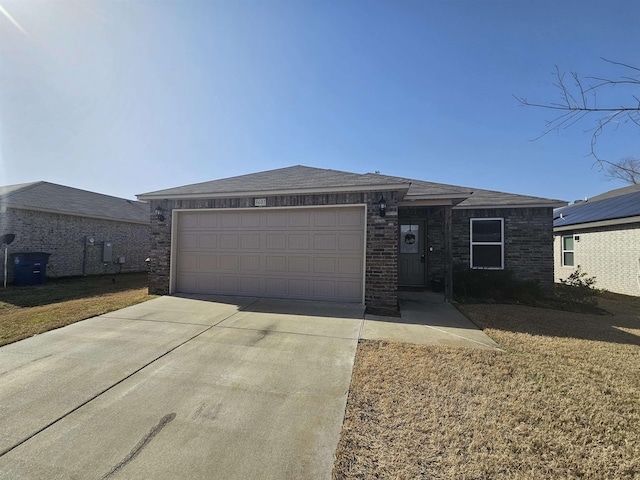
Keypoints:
(126, 97)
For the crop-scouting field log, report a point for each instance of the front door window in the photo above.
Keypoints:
(411, 261)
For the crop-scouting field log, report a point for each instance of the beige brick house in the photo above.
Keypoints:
(316, 234)
(85, 233)
(602, 236)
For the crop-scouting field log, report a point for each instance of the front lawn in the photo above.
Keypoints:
(26, 311)
(562, 400)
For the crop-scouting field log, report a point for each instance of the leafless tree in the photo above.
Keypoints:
(579, 99)
(627, 170)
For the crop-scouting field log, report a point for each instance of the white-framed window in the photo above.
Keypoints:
(567, 251)
(487, 243)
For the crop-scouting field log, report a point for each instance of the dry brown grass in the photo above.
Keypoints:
(562, 401)
(27, 311)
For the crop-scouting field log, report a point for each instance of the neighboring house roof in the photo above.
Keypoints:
(610, 208)
(300, 179)
(54, 198)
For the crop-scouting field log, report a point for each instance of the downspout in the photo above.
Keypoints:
(448, 255)
(84, 259)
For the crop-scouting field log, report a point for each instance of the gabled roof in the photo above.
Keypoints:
(611, 208)
(300, 179)
(51, 197)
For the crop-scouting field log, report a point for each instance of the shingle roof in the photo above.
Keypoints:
(72, 201)
(598, 209)
(308, 178)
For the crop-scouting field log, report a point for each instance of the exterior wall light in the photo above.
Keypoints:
(382, 205)
(160, 213)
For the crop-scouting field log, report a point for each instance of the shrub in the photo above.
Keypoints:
(578, 288)
(493, 286)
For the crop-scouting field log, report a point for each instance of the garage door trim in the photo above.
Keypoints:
(175, 226)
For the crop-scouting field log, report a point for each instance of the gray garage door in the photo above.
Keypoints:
(301, 253)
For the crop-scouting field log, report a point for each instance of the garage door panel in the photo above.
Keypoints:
(299, 264)
(306, 253)
(188, 242)
(250, 286)
(299, 218)
(347, 290)
(229, 263)
(350, 218)
(299, 241)
(250, 219)
(276, 287)
(250, 241)
(324, 265)
(299, 287)
(276, 264)
(207, 220)
(207, 241)
(229, 241)
(250, 263)
(351, 242)
(325, 218)
(229, 219)
(322, 241)
(350, 266)
(324, 289)
(276, 241)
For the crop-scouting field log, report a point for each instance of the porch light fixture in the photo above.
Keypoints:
(160, 213)
(382, 204)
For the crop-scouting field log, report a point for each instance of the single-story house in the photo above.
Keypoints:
(310, 233)
(85, 233)
(602, 236)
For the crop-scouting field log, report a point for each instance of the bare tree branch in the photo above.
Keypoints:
(577, 101)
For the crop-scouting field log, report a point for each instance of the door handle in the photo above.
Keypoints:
(422, 258)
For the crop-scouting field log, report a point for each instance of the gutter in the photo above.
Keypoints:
(403, 187)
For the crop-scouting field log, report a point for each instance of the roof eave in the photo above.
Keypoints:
(401, 187)
(77, 214)
(510, 205)
(601, 223)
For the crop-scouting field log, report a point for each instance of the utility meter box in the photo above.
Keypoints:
(107, 252)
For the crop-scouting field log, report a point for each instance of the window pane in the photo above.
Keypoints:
(567, 243)
(487, 256)
(567, 259)
(486, 231)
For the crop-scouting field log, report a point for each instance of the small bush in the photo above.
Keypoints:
(578, 288)
(493, 286)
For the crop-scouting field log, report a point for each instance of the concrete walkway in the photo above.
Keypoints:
(197, 387)
(427, 319)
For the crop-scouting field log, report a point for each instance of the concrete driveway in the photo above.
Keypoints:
(199, 387)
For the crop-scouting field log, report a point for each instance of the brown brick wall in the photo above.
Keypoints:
(66, 238)
(528, 240)
(381, 254)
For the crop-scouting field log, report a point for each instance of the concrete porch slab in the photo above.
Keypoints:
(426, 319)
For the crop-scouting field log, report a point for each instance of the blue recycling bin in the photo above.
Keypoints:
(30, 268)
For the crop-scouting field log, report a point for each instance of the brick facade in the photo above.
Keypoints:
(381, 246)
(610, 254)
(528, 240)
(66, 238)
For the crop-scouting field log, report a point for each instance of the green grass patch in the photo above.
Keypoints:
(27, 311)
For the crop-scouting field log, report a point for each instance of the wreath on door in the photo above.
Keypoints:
(409, 237)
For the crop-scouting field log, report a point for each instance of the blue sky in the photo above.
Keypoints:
(124, 98)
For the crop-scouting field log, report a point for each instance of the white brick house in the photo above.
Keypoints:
(602, 236)
(85, 233)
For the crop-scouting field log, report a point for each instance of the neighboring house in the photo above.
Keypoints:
(86, 233)
(602, 235)
(309, 233)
